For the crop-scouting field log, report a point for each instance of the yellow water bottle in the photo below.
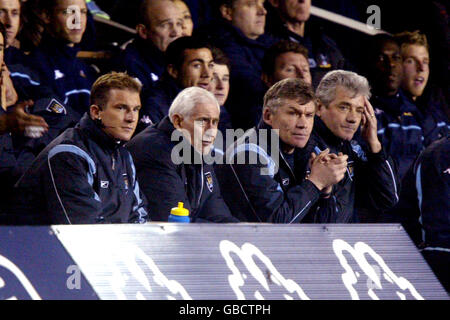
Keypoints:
(179, 214)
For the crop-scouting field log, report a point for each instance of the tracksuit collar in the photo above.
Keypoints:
(94, 132)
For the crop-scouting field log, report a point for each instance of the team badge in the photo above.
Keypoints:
(209, 181)
(56, 107)
(146, 119)
(58, 75)
(154, 77)
(323, 62)
(285, 181)
(104, 184)
(350, 169)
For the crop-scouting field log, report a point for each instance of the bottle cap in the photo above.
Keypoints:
(180, 211)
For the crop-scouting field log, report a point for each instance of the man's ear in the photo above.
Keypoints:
(45, 16)
(142, 31)
(319, 108)
(226, 12)
(173, 72)
(176, 121)
(275, 3)
(266, 79)
(267, 116)
(95, 112)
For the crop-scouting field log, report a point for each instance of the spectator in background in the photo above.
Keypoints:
(430, 100)
(285, 59)
(188, 24)
(398, 119)
(55, 57)
(23, 84)
(220, 86)
(240, 34)
(10, 11)
(168, 177)
(86, 176)
(159, 23)
(290, 21)
(189, 64)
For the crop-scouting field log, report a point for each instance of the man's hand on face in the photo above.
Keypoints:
(369, 127)
(19, 121)
(327, 169)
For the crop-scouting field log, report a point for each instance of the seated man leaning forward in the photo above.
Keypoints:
(86, 175)
(171, 171)
(271, 174)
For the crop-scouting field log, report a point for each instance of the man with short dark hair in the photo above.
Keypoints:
(55, 59)
(172, 171)
(85, 175)
(189, 63)
(285, 59)
(284, 183)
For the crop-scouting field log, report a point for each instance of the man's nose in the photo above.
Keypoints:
(130, 116)
(301, 122)
(420, 66)
(261, 10)
(176, 30)
(352, 116)
(219, 84)
(207, 72)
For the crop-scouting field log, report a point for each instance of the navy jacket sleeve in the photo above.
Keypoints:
(267, 198)
(377, 183)
(432, 171)
(69, 190)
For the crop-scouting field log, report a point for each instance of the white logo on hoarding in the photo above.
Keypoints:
(350, 277)
(20, 276)
(246, 254)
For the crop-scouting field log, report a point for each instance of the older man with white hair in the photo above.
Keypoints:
(371, 182)
(169, 158)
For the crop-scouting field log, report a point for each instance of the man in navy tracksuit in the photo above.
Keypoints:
(85, 175)
(189, 63)
(371, 185)
(240, 35)
(271, 177)
(160, 23)
(432, 206)
(171, 171)
(55, 58)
